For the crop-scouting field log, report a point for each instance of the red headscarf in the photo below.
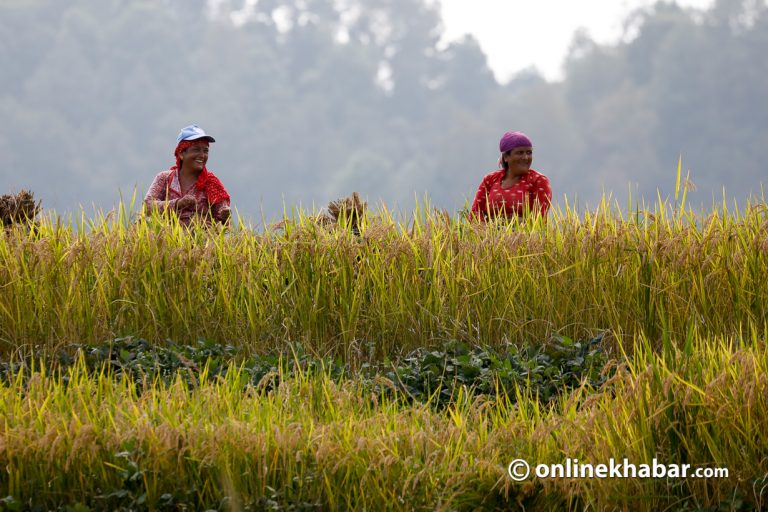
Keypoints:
(212, 186)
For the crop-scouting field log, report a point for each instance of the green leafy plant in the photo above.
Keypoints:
(545, 371)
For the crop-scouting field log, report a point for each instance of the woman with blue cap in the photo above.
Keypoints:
(515, 189)
(188, 188)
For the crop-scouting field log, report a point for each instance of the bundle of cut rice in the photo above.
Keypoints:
(350, 209)
(19, 208)
(346, 212)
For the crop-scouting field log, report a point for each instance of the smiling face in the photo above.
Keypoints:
(195, 157)
(518, 160)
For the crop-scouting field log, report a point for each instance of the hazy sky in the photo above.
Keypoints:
(516, 34)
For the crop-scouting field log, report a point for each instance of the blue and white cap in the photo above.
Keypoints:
(193, 132)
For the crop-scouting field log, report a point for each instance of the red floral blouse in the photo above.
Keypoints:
(531, 193)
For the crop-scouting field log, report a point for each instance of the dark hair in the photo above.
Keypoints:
(504, 163)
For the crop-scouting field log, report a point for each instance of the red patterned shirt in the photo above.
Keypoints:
(165, 192)
(531, 193)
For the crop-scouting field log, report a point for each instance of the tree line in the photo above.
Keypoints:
(312, 99)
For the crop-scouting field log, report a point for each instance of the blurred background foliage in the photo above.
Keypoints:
(312, 99)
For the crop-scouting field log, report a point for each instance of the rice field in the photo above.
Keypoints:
(679, 300)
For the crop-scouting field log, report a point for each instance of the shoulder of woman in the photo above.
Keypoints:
(214, 178)
(494, 175)
(163, 175)
(537, 176)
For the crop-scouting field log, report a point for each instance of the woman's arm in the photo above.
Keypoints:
(480, 204)
(542, 194)
(156, 198)
(221, 212)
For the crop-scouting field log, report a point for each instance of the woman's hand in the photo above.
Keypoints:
(186, 203)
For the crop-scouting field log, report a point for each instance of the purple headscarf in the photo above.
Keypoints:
(512, 140)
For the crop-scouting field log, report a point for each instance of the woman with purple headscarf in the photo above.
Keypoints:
(515, 189)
